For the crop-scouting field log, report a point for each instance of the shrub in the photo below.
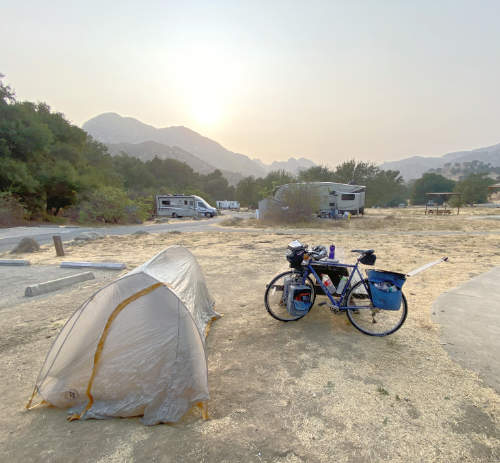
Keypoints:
(232, 222)
(111, 205)
(299, 203)
(12, 211)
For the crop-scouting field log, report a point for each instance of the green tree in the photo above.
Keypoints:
(316, 174)
(474, 189)
(354, 172)
(385, 189)
(59, 183)
(272, 181)
(216, 186)
(429, 183)
(134, 173)
(248, 192)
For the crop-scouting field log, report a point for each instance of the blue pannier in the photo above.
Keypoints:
(386, 288)
(298, 300)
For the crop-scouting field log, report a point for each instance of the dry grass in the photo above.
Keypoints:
(231, 222)
(391, 220)
(311, 391)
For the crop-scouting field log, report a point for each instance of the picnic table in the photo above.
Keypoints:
(432, 207)
(438, 211)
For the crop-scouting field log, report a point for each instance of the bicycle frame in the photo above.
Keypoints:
(308, 269)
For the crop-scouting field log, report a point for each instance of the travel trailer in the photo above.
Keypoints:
(232, 205)
(333, 197)
(183, 206)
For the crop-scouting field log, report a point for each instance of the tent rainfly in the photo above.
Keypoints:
(136, 347)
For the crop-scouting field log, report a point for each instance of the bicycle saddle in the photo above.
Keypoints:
(365, 252)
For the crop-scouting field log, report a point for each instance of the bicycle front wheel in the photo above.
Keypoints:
(275, 295)
(369, 319)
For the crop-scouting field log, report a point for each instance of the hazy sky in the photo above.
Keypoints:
(328, 80)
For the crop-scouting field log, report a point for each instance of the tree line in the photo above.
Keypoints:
(52, 170)
(473, 188)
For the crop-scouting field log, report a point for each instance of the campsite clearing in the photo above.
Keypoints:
(315, 390)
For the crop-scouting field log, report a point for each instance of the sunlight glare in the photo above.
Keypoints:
(207, 79)
(206, 110)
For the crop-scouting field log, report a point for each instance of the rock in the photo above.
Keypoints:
(26, 245)
(87, 236)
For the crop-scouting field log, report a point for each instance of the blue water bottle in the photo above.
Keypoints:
(332, 252)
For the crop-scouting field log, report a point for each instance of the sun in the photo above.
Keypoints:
(206, 111)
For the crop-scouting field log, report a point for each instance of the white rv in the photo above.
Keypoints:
(232, 205)
(333, 197)
(183, 206)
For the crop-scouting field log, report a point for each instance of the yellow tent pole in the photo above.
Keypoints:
(204, 410)
(100, 345)
(28, 405)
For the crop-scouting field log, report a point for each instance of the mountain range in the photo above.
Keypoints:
(203, 155)
(413, 167)
(129, 135)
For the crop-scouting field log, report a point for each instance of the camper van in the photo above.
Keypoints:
(183, 206)
(333, 197)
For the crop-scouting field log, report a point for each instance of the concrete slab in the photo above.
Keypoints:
(469, 316)
(14, 262)
(54, 285)
(98, 265)
(13, 280)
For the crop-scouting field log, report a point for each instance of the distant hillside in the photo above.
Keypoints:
(202, 154)
(111, 128)
(149, 149)
(459, 170)
(414, 167)
(294, 166)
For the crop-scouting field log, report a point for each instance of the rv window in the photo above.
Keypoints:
(165, 202)
(348, 197)
(332, 204)
(185, 203)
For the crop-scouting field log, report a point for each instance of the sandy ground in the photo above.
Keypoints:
(311, 391)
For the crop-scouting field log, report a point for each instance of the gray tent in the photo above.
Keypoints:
(136, 347)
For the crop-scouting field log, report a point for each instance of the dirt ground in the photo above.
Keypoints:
(315, 390)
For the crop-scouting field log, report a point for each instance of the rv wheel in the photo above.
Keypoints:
(174, 215)
(207, 214)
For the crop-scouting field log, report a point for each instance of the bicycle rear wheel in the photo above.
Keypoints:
(369, 319)
(274, 297)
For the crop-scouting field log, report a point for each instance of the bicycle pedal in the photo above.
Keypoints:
(334, 309)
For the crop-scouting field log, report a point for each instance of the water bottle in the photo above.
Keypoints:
(328, 283)
(341, 285)
(332, 252)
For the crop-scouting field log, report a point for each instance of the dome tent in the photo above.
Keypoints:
(136, 347)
